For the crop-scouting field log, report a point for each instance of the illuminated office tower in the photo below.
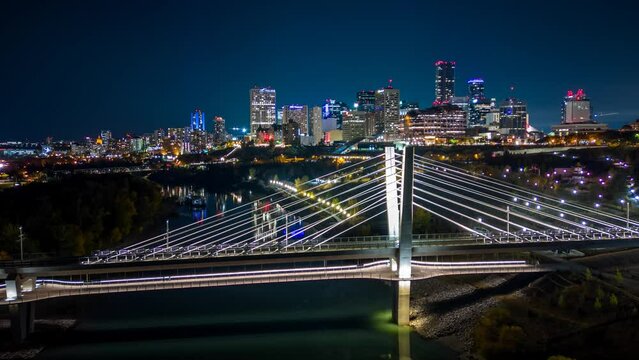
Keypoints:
(387, 112)
(316, 124)
(513, 118)
(444, 82)
(365, 101)
(262, 108)
(198, 120)
(478, 105)
(576, 108)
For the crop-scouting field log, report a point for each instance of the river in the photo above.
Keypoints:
(345, 319)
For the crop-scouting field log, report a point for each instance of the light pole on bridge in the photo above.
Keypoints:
(21, 239)
(167, 234)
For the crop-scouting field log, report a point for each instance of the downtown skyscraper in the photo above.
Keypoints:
(576, 108)
(478, 105)
(366, 100)
(298, 114)
(387, 119)
(513, 118)
(262, 108)
(198, 120)
(444, 82)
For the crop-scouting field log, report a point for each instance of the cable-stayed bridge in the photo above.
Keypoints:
(312, 231)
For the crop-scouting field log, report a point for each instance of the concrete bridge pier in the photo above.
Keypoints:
(22, 318)
(403, 343)
(401, 302)
(401, 312)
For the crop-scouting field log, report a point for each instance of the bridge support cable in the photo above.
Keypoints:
(205, 237)
(245, 236)
(509, 205)
(447, 208)
(361, 222)
(192, 237)
(506, 210)
(460, 225)
(303, 229)
(324, 201)
(513, 200)
(482, 188)
(497, 183)
(247, 206)
(246, 209)
(481, 221)
(405, 250)
(475, 210)
(376, 200)
(361, 212)
(392, 201)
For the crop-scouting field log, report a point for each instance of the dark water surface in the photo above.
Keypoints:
(348, 319)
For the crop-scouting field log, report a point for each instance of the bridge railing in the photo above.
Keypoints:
(358, 242)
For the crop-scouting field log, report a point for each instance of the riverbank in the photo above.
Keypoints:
(589, 313)
(48, 330)
(445, 309)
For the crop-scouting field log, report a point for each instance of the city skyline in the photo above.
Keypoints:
(82, 81)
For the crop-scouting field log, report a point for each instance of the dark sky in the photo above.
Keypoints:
(71, 68)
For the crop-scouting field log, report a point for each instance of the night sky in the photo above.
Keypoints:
(71, 68)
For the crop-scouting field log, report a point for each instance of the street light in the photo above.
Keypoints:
(167, 234)
(21, 238)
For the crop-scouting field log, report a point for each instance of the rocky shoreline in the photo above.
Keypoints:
(48, 329)
(447, 309)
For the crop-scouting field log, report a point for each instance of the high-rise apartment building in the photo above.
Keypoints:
(513, 118)
(444, 121)
(298, 114)
(476, 89)
(387, 112)
(316, 124)
(219, 130)
(478, 105)
(262, 108)
(358, 124)
(106, 136)
(332, 114)
(444, 82)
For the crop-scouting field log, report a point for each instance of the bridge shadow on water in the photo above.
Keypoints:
(84, 336)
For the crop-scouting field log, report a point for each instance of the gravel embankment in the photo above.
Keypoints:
(447, 309)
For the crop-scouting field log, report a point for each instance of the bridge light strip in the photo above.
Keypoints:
(380, 263)
(470, 263)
